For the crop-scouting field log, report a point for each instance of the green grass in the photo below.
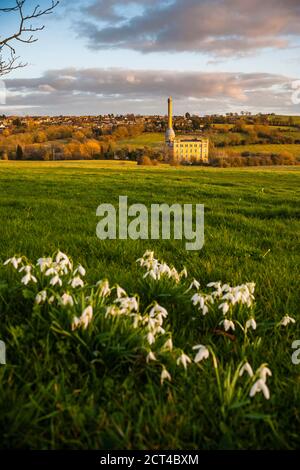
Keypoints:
(267, 148)
(54, 394)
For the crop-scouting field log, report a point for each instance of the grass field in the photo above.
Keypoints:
(294, 149)
(154, 139)
(93, 389)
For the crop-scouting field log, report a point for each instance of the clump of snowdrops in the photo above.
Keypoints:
(57, 284)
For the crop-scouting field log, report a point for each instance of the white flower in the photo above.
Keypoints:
(165, 376)
(260, 386)
(76, 282)
(286, 320)
(195, 284)
(264, 372)
(150, 357)
(14, 261)
(75, 323)
(104, 288)
(51, 271)
(41, 297)
(183, 273)
(28, 276)
(216, 285)
(202, 353)
(137, 319)
(246, 368)
(184, 360)
(51, 299)
(61, 257)
(80, 270)
(228, 324)
(67, 299)
(121, 292)
(251, 323)
(150, 338)
(56, 280)
(86, 316)
(44, 263)
(168, 345)
(113, 311)
(158, 310)
(225, 307)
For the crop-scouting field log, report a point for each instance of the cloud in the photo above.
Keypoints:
(220, 28)
(99, 91)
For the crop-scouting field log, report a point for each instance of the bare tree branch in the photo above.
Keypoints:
(12, 62)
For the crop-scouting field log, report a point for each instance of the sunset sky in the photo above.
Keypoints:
(111, 56)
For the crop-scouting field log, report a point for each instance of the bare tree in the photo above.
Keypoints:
(24, 33)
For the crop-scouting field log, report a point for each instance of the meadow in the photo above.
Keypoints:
(152, 140)
(89, 389)
(294, 149)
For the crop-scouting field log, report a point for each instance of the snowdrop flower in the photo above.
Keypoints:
(152, 274)
(195, 284)
(168, 346)
(41, 297)
(113, 311)
(183, 273)
(75, 323)
(216, 285)
(28, 276)
(174, 275)
(44, 263)
(127, 304)
(286, 320)
(86, 316)
(147, 256)
(157, 309)
(121, 292)
(228, 324)
(76, 282)
(137, 319)
(67, 299)
(260, 386)
(202, 353)
(200, 300)
(104, 288)
(251, 287)
(224, 307)
(163, 269)
(51, 272)
(14, 261)
(56, 280)
(62, 257)
(246, 368)
(251, 323)
(51, 299)
(184, 360)
(80, 270)
(264, 372)
(165, 376)
(150, 338)
(150, 357)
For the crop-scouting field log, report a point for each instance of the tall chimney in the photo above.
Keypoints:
(170, 134)
(170, 113)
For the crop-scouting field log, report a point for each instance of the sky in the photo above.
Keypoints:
(111, 56)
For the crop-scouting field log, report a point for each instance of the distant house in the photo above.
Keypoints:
(185, 150)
